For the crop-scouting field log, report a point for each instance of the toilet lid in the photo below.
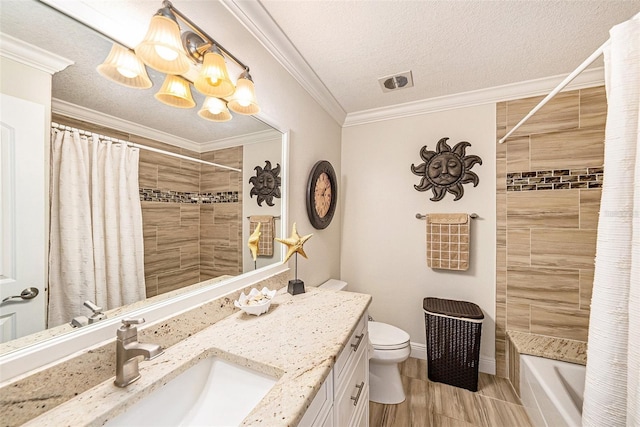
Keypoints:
(387, 337)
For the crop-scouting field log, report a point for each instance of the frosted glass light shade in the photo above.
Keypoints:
(244, 99)
(213, 79)
(175, 92)
(161, 48)
(214, 109)
(123, 66)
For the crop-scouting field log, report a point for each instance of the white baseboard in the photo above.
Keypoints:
(419, 351)
(487, 364)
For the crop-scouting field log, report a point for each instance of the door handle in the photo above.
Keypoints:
(26, 294)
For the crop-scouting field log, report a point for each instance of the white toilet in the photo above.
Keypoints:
(390, 346)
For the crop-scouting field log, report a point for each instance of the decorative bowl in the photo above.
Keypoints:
(257, 302)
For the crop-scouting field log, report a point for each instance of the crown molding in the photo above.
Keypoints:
(258, 21)
(588, 78)
(31, 55)
(234, 141)
(85, 114)
(81, 113)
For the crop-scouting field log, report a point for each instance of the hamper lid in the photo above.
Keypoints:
(452, 308)
(385, 335)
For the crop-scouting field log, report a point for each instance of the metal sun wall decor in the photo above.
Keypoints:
(266, 183)
(446, 169)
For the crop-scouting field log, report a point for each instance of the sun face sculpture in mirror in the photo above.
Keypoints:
(194, 216)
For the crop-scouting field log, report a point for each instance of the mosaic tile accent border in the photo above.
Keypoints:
(558, 179)
(153, 195)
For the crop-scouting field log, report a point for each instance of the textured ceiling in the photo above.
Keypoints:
(450, 46)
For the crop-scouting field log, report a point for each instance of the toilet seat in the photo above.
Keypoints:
(387, 337)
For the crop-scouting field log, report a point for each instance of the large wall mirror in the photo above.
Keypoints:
(195, 216)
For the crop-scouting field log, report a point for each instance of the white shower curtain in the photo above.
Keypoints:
(612, 389)
(96, 245)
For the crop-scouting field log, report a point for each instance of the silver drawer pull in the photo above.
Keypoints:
(357, 396)
(356, 345)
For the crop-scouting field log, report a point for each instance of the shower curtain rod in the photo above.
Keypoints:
(558, 88)
(140, 146)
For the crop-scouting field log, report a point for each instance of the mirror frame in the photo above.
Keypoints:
(50, 350)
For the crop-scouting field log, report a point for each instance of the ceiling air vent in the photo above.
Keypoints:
(396, 81)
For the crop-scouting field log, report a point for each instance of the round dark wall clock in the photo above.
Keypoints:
(322, 194)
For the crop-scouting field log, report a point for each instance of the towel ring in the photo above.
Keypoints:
(472, 216)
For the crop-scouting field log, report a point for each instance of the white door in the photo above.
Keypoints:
(22, 217)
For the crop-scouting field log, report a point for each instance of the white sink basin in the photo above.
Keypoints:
(213, 392)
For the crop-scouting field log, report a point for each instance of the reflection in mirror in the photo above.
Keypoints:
(196, 218)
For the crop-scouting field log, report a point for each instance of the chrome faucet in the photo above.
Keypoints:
(97, 315)
(127, 351)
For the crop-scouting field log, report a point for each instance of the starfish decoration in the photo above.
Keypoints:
(253, 241)
(294, 243)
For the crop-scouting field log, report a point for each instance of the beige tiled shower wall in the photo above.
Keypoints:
(171, 230)
(549, 175)
(221, 223)
(184, 243)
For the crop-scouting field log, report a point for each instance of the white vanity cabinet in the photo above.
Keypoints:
(351, 380)
(343, 399)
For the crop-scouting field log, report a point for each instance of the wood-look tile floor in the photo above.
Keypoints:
(431, 404)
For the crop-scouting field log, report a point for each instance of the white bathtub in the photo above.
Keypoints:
(552, 391)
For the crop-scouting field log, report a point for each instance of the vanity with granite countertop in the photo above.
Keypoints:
(298, 341)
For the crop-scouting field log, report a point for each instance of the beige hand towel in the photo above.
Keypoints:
(448, 241)
(265, 244)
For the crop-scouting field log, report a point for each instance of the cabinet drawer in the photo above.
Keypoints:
(362, 411)
(328, 420)
(354, 392)
(316, 413)
(357, 340)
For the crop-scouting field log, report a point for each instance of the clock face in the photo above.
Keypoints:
(322, 194)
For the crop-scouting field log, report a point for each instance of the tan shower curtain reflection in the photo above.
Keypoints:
(96, 245)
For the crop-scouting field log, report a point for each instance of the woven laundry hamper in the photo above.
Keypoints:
(453, 331)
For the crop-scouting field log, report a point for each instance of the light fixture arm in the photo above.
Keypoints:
(206, 38)
(166, 11)
(245, 75)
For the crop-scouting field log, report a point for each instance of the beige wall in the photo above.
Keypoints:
(549, 175)
(383, 244)
(314, 135)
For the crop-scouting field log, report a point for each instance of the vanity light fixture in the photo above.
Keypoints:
(214, 109)
(161, 48)
(175, 92)
(244, 98)
(169, 49)
(213, 79)
(124, 67)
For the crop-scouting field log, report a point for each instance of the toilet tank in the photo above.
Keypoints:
(334, 285)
